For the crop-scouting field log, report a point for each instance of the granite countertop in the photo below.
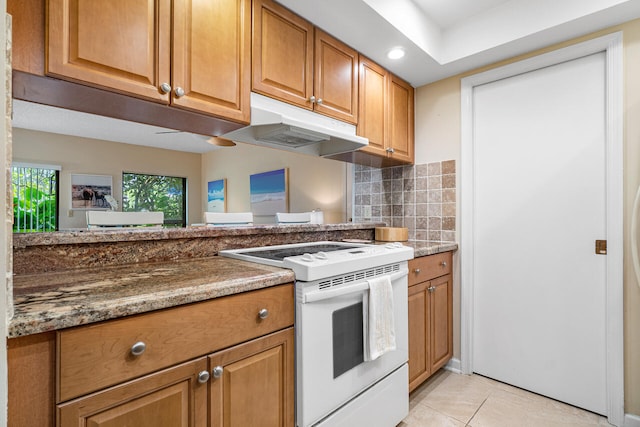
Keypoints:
(430, 248)
(110, 235)
(51, 301)
(56, 300)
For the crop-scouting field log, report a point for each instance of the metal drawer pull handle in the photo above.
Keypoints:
(416, 270)
(218, 371)
(264, 313)
(138, 348)
(443, 263)
(203, 377)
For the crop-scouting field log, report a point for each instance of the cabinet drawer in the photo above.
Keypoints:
(429, 267)
(97, 356)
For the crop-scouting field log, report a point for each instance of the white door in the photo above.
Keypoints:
(539, 191)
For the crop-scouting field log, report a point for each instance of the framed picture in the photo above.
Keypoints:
(217, 196)
(269, 192)
(90, 191)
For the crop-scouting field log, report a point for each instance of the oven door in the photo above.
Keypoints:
(330, 365)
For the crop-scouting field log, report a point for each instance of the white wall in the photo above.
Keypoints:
(314, 182)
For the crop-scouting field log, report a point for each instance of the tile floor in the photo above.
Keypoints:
(452, 400)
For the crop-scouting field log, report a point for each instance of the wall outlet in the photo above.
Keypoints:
(366, 211)
(70, 213)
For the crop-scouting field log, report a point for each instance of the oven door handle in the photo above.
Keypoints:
(325, 294)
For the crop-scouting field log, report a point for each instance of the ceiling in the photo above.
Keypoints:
(441, 38)
(447, 37)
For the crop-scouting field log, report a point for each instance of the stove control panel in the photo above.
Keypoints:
(309, 266)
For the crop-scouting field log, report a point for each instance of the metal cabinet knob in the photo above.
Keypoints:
(179, 92)
(431, 288)
(218, 371)
(416, 270)
(138, 348)
(443, 263)
(312, 99)
(165, 88)
(264, 313)
(390, 150)
(319, 101)
(203, 377)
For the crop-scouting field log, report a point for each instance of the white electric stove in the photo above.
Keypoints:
(335, 385)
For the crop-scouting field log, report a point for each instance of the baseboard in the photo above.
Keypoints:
(454, 366)
(631, 420)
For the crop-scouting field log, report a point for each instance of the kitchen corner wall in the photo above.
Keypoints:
(419, 197)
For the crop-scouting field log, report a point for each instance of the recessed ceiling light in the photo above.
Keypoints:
(395, 53)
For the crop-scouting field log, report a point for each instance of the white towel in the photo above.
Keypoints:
(378, 327)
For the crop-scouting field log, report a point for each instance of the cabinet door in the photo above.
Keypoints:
(373, 111)
(172, 397)
(255, 383)
(441, 311)
(118, 44)
(31, 367)
(419, 331)
(282, 54)
(211, 60)
(401, 119)
(335, 78)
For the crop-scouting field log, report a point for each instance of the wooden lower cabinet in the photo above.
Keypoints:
(31, 381)
(430, 322)
(213, 363)
(253, 383)
(172, 397)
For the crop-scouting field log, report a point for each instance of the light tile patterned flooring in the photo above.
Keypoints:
(452, 400)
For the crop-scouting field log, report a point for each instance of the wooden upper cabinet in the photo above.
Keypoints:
(386, 114)
(373, 116)
(195, 56)
(301, 65)
(335, 79)
(401, 120)
(282, 54)
(212, 57)
(118, 44)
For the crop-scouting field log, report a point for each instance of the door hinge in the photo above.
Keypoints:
(601, 247)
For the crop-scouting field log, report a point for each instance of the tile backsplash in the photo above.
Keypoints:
(419, 197)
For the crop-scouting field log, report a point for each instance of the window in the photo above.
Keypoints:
(141, 192)
(35, 198)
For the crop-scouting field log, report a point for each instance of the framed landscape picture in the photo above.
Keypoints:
(269, 192)
(89, 191)
(217, 196)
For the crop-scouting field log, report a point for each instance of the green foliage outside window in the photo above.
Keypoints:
(34, 199)
(141, 192)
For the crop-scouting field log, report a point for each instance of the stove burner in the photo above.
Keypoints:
(280, 254)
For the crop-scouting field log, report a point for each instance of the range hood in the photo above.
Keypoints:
(279, 125)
